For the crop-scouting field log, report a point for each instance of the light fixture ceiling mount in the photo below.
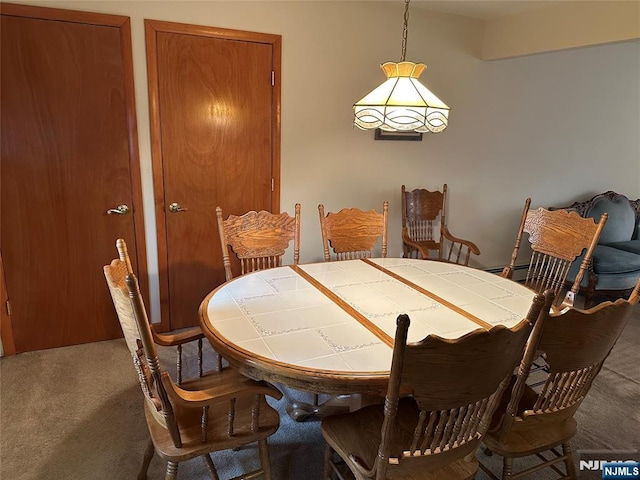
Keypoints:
(402, 103)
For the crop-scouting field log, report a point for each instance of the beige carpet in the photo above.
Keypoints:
(75, 413)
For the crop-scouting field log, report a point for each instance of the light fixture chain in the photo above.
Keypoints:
(405, 30)
(402, 103)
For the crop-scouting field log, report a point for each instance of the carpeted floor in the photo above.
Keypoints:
(75, 413)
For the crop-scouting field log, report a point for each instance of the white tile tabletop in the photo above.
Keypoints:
(340, 316)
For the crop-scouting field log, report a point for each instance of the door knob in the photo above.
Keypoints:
(119, 210)
(175, 208)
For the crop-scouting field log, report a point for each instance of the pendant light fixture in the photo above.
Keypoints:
(402, 103)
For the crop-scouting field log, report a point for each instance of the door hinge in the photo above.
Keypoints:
(273, 78)
(273, 184)
(8, 303)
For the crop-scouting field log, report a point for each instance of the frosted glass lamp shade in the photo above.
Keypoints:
(401, 103)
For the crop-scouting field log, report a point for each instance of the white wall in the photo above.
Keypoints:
(556, 126)
(560, 25)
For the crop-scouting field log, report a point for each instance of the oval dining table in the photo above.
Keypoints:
(329, 327)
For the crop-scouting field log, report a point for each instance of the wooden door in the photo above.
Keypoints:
(214, 100)
(69, 154)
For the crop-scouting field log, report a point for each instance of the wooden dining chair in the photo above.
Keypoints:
(352, 233)
(534, 421)
(258, 239)
(557, 237)
(449, 391)
(218, 411)
(424, 228)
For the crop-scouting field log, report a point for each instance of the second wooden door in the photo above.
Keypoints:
(215, 134)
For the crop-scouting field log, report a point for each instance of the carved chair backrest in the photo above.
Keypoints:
(557, 238)
(352, 233)
(423, 215)
(576, 344)
(456, 397)
(131, 312)
(258, 239)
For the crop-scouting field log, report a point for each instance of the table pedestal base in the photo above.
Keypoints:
(336, 404)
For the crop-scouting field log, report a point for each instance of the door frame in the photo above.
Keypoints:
(123, 24)
(152, 28)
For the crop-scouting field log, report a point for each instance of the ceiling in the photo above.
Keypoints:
(483, 9)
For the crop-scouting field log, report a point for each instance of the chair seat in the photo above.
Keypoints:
(609, 259)
(190, 420)
(527, 438)
(359, 434)
(425, 246)
(227, 376)
(217, 434)
(529, 435)
(632, 246)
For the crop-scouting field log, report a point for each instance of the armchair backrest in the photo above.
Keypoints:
(425, 231)
(352, 233)
(622, 211)
(258, 239)
(621, 222)
(423, 215)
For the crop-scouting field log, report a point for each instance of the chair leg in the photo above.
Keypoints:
(263, 447)
(210, 466)
(568, 463)
(172, 471)
(590, 290)
(507, 468)
(326, 475)
(146, 460)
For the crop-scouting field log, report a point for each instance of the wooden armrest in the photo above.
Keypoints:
(470, 245)
(226, 388)
(173, 339)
